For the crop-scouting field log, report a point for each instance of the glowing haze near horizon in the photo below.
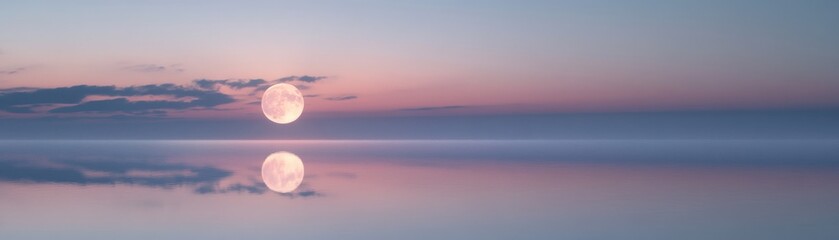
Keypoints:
(209, 61)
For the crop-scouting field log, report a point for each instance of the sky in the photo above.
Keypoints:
(421, 69)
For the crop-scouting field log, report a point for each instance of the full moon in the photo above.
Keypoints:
(282, 103)
(282, 172)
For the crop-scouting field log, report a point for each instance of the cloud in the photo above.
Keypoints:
(304, 78)
(302, 87)
(311, 95)
(310, 79)
(341, 98)
(257, 84)
(149, 100)
(13, 71)
(232, 83)
(17, 102)
(309, 194)
(433, 108)
(123, 105)
(25, 101)
(255, 187)
(154, 68)
(17, 89)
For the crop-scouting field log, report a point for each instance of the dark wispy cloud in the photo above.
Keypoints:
(25, 101)
(258, 85)
(302, 81)
(232, 83)
(17, 89)
(311, 95)
(305, 194)
(253, 188)
(142, 107)
(304, 78)
(341, 98)
(154, 68)
(148, 100)
(302, 86)
(13, 71)
(433, 108)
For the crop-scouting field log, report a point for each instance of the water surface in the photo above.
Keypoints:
(631, 189)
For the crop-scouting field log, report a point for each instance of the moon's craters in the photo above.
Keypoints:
(282, 103)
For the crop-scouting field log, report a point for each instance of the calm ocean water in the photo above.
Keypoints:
(632, 189)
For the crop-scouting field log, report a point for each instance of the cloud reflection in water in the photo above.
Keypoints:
(154, 173)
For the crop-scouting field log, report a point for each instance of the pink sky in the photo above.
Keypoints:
(496, 58)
